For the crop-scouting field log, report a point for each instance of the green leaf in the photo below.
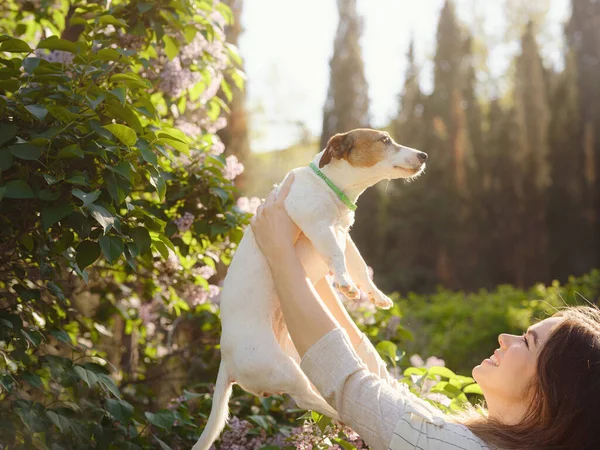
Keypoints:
(62, 336)
(118, 187)
(261, 421)
(62, 114)
(109, 54)
(388, 349)
(7, 132)
(162, 419)
(2, 192)
(124, 169)
(87, 199)
(344, 444)
(112, 247)
(162, 249)
(56, 291)
(102, 216)
(158, 182)
(120, 93)
(473, 389)
(38, 111)
(107, 19)
(141, 237)
(30, 64)
(54, 43)
(177, 145)
(89, 376)
(147, 154)
(162, 444)
(87, 253)
(144, 7)
(6, 159)
(120, 410)
(418, 371)
(9, 85)
(52, 214)
(18, 189)
(109, 385)
(70, 151)
(79, 179)
(171, 47)
(50, 179)
(173, 133)
(15, 46)
(124, 113)
(34, 337)
(441, 371)
(48, 195)
(26, 151)
(123, 133)
(132, 80)
(62, 422)
(33, 379)
(95, 102)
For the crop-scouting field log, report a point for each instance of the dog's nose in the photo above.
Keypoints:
(422, 156)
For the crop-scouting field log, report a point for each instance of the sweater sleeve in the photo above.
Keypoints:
(385, 414)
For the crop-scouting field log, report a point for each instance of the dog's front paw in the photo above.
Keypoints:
(344, 284)
(380, 300)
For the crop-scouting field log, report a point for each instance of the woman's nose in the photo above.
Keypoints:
(503, 340)
(506, 340)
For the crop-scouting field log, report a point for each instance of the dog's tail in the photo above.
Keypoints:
(219, 412)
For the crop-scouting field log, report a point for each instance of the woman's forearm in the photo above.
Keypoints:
(306, 317)
(339, 313)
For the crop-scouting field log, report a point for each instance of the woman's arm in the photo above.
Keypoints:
(307, 319)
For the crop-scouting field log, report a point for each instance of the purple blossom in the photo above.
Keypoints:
(185, 222)
(233, 167)
(248, 205)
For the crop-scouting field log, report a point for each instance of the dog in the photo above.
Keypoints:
(256, 350)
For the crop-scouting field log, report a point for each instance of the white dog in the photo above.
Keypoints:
(256, 350)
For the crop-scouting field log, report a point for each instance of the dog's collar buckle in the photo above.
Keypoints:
(351, 206)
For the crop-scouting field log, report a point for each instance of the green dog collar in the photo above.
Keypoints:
(334, 188)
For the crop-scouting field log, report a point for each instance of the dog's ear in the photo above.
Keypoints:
(338, 146)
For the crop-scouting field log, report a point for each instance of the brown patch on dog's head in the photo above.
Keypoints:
(361, 147)
(337, 147)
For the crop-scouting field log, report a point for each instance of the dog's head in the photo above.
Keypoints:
(366, 148)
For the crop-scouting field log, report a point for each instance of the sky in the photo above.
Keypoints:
(287, 45)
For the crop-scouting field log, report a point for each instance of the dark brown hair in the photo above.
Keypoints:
(564, 413)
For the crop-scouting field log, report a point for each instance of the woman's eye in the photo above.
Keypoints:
(386, 140)
(525, 340)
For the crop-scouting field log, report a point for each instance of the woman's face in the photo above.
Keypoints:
(506, 375)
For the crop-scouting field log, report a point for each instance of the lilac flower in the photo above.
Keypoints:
(184, 223)
(233, 167)
(236, 437)
(205, 272)
(248, 205)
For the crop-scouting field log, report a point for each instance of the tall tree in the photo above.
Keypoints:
(451, 153)
(531, 122)
(347, 103)
(235, 135)
(566, 207)
(583, 34)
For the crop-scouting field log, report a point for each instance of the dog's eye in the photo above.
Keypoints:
(386, 140)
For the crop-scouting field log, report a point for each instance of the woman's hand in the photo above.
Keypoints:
(274, 231)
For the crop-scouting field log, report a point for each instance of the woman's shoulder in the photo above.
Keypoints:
(419, 429)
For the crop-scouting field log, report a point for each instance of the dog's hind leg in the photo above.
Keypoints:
(219, 412)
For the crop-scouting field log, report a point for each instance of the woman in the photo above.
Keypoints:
(542, 389)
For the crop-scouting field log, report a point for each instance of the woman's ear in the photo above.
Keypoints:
(337, 147)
